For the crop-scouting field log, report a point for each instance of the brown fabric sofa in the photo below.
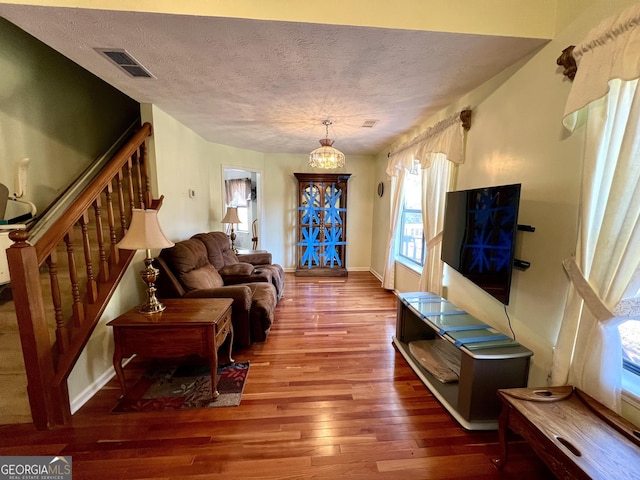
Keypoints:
(241, 268)
(185, 272)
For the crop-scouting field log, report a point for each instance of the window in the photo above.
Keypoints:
(629, 331)
(238, 193)
(411, 245)
(630, 338)
(243, 215)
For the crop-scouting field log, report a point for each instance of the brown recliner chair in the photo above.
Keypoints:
(185, 272)
(241, 268)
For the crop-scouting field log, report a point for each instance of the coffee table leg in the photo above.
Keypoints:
(229, 345)
(503, 425)
(214, 361)
(213, 366)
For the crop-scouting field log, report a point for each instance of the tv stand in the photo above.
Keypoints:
(486, 360)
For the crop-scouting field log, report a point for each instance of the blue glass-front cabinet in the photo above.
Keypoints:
(322, 224)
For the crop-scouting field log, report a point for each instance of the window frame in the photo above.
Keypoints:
(405, 258)
(243, 214)
(630, 368)
(400, 257)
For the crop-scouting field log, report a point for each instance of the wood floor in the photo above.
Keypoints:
(327, 396)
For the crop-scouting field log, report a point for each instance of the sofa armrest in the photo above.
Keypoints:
(241, 295)
(167, 284)
(237, 269)
(256, 258)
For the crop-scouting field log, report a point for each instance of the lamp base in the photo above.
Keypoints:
(152, 306)
(233, 241)
(149, 276)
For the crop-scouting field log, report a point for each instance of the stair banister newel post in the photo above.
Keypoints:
(34, 332)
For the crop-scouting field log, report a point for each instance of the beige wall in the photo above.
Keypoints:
(95, 365)
(517, 137)
(183, 160)
(53, 112)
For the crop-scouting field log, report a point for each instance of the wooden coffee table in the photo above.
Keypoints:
(193, 326)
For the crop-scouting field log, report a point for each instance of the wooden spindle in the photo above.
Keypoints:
(121, 202)
(114, 253)
(147, 180)
(77, 307)
(62, 335)
(129, 171)
(92, 288)
(138, 178)
(103, 275)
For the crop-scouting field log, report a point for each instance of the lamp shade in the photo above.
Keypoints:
(144, 232)
(326, 156)
(231, 216)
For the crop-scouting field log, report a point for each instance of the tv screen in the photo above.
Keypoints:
(478, 239)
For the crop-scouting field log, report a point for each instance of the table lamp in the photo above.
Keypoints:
(232, 217)
(144, 234)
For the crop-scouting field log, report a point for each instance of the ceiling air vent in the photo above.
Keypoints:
(369, 123)
(125, 61)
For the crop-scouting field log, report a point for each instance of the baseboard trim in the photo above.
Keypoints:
(86, 394)
(349, 269)
(376, 274)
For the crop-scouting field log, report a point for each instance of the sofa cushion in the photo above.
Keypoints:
(203, 277)
(189, 261)
(239, 268)
(255, 258)
(218, 249)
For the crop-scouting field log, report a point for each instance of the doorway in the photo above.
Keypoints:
(242, 188)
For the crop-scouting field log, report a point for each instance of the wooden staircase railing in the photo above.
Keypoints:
(63, 281)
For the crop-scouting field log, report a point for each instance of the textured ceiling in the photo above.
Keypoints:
(268, 85)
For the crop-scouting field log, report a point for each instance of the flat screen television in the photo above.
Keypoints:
(478, 239)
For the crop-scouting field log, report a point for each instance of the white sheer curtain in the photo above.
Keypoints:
(388, 278)
(436, 182)
(433, 150)
(605, 97)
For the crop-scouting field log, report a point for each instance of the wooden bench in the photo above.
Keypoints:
(576, 436)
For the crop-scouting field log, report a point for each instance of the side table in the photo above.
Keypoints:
(194, 326)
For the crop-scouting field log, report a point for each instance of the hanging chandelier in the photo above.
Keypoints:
(326, 156)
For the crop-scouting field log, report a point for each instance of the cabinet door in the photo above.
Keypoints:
(321, 224)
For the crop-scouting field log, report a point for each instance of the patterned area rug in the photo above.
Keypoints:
(178, 387)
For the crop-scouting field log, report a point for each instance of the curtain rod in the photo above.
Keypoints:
(464, 116)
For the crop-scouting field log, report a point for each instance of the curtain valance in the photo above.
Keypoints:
(610, 51)
(237, 191)
(446, 137)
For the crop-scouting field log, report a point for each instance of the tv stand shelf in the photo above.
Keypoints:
(488, 360)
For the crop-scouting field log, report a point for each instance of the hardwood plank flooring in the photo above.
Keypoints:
(327, 396)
